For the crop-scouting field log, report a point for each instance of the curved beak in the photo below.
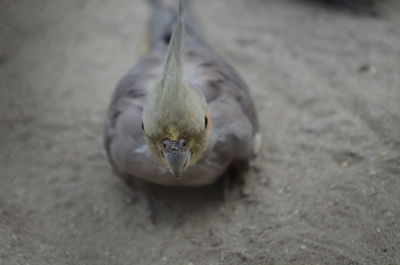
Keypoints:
(177, 161)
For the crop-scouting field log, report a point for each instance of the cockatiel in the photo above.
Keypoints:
(182, 115)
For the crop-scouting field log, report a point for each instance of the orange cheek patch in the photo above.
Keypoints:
(209, 125)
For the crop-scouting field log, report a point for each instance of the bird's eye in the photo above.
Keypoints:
(205, 122)
(183, 143)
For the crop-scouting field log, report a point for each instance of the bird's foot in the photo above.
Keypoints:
(236, 180)
(226, 187)
(149, 208)
(142, 195)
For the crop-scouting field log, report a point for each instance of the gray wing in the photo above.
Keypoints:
(233, 113)
(123, 125)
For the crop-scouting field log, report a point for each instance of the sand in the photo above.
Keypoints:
(327, 87)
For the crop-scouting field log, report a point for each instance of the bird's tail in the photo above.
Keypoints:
(163, 18)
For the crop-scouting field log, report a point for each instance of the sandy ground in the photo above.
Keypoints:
(327, 87)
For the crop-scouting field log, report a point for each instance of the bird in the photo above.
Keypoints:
(182, 116)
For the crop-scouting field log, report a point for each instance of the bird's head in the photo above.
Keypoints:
(176, 126)
(175, 117)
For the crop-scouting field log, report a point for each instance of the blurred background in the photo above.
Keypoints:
(325, 76)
